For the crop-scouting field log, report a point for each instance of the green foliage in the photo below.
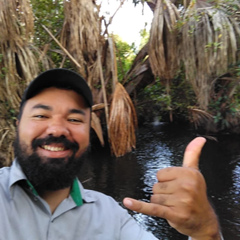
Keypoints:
(50, 14)
(157, 93)
(213, 45)
(8, 112)
(155, 101)
(144, 36)
(237, 70)
(225, 108)
(135, 2)
(182, 95)
(125, 54)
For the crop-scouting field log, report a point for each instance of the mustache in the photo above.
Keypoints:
(51, 139)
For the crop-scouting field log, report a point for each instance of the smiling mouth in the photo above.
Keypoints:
(53, 149)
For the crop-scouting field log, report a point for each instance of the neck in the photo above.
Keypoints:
(54, 198)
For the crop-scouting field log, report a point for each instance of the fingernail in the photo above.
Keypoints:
(128, 203)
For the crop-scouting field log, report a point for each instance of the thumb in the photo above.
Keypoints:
(192, 152)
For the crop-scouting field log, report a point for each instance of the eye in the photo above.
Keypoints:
(76, 120)
(39, 116)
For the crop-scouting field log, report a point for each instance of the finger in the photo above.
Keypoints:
(163, 199)
(151, 209)
(167, 174)
(192, 152)
(165, 187)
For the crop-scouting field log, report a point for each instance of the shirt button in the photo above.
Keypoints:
(35, 199)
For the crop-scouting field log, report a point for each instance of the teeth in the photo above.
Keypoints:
(53, 149)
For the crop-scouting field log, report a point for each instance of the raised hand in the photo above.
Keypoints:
(180, 197)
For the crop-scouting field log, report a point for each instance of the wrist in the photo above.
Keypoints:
(211, 231)
(216, 236)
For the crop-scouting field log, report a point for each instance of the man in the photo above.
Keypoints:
(41, 198)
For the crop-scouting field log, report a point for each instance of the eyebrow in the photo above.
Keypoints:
(42, 106)
(46, 107)
(78, 111)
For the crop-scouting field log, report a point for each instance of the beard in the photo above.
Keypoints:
(48, 174)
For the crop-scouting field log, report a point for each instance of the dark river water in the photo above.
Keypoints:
(160, 146)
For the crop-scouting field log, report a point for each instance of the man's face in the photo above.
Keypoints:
(53, 133)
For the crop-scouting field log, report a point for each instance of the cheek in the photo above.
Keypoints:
(82, 136)
(28, 131)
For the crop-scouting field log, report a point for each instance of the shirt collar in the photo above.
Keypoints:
(78, 193)
(16, 174)
(87, 195)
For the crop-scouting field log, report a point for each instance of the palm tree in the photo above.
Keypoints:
(18, 65)
(202, 34)
(81, 36)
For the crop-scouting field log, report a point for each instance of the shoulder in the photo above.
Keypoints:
(4, 175)
(115, 217)
(4, 181)
(104, 205)
(98, 197)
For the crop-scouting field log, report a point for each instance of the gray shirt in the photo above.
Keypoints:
(85, 214)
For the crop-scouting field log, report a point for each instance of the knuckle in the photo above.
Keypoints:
(189, 186)
(189, 203)
(159, 186)
(184, 217)
(155, 188)
(158, 199)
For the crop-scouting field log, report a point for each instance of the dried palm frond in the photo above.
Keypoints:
(107, 60)
(18, 65)
(80, 33)
(113, 62)
(103, 88)
(122, 122)
(16, 19)
(96, 126)
(209, 38)
(200, 117)
(163, 42)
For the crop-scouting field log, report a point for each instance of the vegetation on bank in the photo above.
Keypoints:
(187, 67)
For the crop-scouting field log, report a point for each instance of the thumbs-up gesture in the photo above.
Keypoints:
(180, 197)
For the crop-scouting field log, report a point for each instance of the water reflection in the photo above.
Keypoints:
(161, 146)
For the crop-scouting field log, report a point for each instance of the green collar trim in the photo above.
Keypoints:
(34, 191)
(76, 193)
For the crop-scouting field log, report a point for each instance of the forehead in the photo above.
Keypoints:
(55, 96)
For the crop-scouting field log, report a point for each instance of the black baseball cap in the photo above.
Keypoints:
(59, 78)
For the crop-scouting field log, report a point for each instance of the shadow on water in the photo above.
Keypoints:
(160, 146)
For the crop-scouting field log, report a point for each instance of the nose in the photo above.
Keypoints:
(57, 128)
